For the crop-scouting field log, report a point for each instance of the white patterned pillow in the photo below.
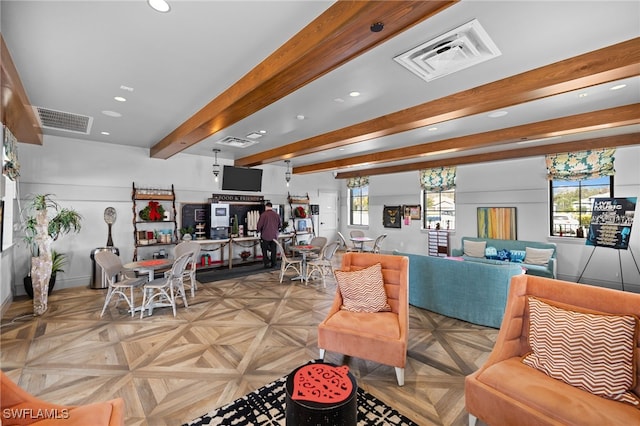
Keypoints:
(535, 256)
(474, 248)
(363, 290)
(591, 351)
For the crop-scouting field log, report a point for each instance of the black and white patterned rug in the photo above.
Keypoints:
(266, 405)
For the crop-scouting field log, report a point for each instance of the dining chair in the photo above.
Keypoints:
(190, 270)
(343, 243)
(323, 265)
(357, 233)
(164, 291)
(287, 262)
(120, 280)
(376, 244)
(319, 242)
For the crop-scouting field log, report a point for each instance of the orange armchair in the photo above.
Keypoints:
(382, 336)
(18, 407)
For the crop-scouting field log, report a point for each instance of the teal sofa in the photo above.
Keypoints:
(548, 271)
(471, 291)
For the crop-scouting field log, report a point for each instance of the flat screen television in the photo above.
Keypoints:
(241, 179)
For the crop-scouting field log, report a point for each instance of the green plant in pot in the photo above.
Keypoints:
(44, 222)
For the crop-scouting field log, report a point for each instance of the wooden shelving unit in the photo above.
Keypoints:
(297, 201)
(166, 198)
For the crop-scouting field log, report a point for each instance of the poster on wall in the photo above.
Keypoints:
(391, 217)
(611, 222)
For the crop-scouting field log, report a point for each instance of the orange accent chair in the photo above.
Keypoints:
(18, 407)
(504, 391)
(382, 336)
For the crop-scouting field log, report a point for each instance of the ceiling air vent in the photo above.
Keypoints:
(60, 120)
(456, 50)
(236, 142)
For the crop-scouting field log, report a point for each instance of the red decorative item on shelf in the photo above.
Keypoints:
(322, 383)
(154, 213)
(299, 212)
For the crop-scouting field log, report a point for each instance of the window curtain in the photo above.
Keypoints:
(438, 179)
(580, 165)
(357, 182)
(10, 164)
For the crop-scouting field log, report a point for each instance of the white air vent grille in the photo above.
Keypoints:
(456, 50)
(236, 142)
(60, 120)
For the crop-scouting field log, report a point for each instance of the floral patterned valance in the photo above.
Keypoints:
(10, 164)
(438, 179)
(358, 182)
(580, 165)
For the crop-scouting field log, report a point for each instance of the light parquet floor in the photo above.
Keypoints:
(236, 336)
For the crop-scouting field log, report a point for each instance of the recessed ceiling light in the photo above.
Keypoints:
(618, 87)
(432, 129)
(496, 114)
(112, 114)
(105, 133)
(583, 95)
(264, 132)
(120, 99)
(339, 100)
(127, 88)
(159, 5)
(354, 94)
(300, 117)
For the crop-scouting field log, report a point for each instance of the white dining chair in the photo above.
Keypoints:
(164, 291)
(120, 280)
(189, 273)
(287, 262)
(323, 265)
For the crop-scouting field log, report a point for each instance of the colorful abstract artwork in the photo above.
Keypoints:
(497, 222)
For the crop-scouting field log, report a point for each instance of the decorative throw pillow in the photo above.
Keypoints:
(503, 254)
(474, 248)
(491, 253)
(535, 256)
(591, 351)
(517, 256)
(363, 290)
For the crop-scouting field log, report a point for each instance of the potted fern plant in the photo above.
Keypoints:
(44, 222)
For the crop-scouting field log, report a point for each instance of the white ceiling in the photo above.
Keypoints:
(74, 56)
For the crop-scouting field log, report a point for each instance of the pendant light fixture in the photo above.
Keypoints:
(216, 166)
(287, 174)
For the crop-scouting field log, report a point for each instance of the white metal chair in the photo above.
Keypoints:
(286, 262)
(164, 291)
(319, 242)
(356, 233)
(376, 244)
(190, 270)
(118, 279)
(323, 265)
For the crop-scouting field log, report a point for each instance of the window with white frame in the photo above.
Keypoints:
(438, 197)
(575, 179)
(358, 200)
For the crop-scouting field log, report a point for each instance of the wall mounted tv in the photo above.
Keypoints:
(241, 179)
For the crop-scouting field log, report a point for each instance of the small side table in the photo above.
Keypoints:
(343, 411)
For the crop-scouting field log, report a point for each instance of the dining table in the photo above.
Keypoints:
(304, 250)
(359, 242)
(149, 266)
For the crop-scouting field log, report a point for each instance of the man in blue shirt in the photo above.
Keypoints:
(269, 228)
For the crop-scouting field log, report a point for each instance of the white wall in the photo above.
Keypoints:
(515, 183)
(91, 176)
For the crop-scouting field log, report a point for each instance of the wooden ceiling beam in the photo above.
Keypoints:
(593, 143)
(340, 34)
(15, 109)
(611, 63)
(609, 118)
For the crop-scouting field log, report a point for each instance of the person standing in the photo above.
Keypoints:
(269, 228)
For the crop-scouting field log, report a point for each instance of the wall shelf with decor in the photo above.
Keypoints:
(154, 219)
(438, 242)
(300, 214)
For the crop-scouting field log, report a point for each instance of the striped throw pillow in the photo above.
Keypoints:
(591, 351)
(363, 290)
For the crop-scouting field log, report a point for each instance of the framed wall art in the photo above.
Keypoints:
(391, 217)
(497, 222)
(412, 211)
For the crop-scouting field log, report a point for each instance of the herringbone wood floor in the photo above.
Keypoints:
(236, 336)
